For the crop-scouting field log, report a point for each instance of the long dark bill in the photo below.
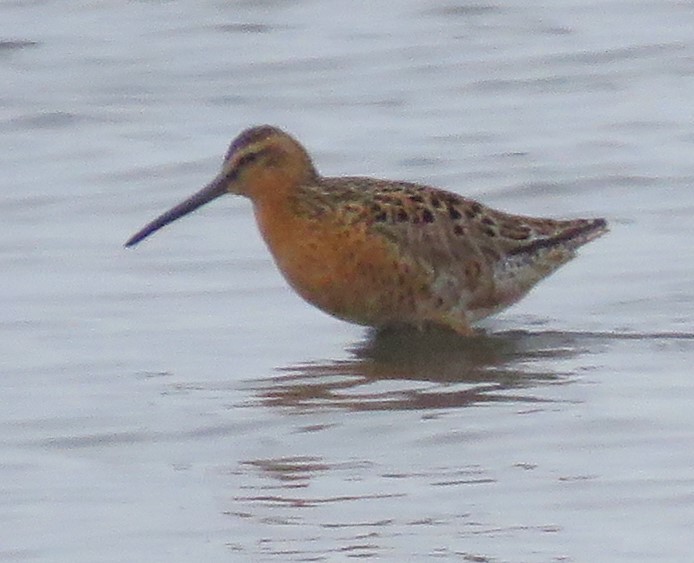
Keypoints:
(212, 191)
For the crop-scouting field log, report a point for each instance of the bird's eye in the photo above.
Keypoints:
(247, 159)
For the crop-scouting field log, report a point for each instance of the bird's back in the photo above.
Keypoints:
(475, 260)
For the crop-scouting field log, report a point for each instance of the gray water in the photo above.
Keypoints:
(177, 402)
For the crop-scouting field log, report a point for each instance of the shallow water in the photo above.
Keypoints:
(177, 401)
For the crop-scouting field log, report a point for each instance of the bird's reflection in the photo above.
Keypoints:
(409, 369)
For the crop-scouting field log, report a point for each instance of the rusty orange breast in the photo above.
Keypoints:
(342, 268)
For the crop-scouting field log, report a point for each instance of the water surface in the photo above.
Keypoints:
(178, 402)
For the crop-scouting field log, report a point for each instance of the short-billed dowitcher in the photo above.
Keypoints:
(379, 252)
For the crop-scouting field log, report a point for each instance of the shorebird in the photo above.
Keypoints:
(380, 252)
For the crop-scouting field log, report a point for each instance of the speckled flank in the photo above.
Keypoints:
(378, 252)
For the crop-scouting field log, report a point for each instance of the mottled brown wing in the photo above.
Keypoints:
(478, 259)
(430, 229)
